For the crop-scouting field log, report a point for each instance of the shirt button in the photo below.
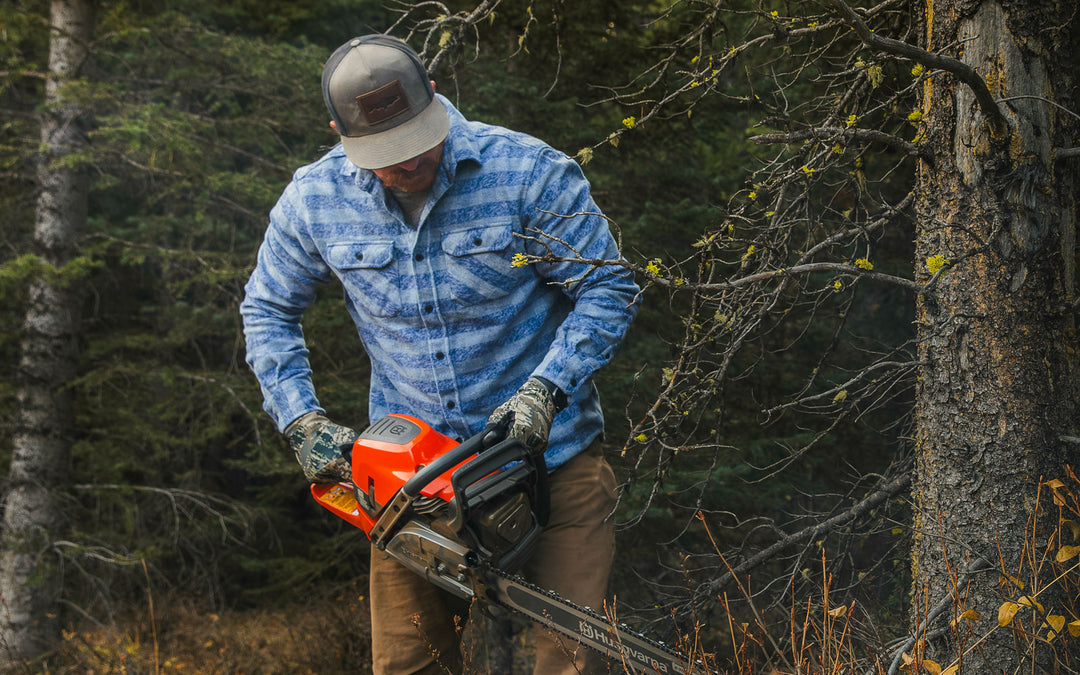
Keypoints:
(359, 256)
(429, 308)
(440, 356)
(449, 405)
(477, 241)
(419, 257)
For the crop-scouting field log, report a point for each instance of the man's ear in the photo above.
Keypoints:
(432, 84)
(333, 125)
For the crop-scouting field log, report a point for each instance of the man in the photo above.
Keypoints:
(426, 218)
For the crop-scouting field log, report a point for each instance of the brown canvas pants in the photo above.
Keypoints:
(415, 627)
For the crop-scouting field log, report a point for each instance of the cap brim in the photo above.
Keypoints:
(401, 143)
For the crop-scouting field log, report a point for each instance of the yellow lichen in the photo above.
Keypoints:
(934, 263)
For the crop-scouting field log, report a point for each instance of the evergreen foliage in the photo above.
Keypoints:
(764, 420)
(199, 113)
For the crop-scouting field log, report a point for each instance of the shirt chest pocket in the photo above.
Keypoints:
(369, 275)
(478, 263)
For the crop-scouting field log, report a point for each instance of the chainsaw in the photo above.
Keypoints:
(465, 516)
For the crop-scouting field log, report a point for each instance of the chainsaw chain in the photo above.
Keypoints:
(600, 619)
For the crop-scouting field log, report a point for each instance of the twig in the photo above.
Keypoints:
(1038, 98)
(153, 621)
(945, 603)
(859, 376)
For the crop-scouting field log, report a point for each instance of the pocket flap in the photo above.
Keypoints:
(480, 239)
(360, 255)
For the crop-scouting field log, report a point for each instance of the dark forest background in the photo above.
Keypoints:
(191, 542)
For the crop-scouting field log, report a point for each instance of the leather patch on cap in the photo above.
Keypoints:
(383, 103)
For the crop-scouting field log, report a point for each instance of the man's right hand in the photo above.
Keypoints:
(319, 445)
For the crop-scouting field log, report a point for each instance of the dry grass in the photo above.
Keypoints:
(324, 636)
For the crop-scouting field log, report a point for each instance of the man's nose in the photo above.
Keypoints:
(409, 164)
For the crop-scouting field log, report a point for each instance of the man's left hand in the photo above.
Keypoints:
(530, 412)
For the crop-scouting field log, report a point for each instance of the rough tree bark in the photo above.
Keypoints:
(997, 204)
(29, 583)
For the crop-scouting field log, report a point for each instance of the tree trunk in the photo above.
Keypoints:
(29, 577)
(998, 206)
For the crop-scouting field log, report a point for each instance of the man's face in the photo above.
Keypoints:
(413, 175)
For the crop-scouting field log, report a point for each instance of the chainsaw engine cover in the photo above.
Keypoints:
(390, 452)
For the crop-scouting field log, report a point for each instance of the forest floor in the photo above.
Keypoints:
(325, 635)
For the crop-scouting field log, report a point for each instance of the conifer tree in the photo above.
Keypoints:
(33, 518)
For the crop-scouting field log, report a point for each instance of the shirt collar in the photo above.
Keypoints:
(460, 143)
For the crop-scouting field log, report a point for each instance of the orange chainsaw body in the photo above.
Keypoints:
(383, 459)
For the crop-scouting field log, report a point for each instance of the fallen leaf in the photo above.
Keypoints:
(1006, 613)
(970, 615)
(1067, 553)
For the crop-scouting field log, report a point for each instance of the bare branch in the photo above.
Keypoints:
(961, 70)
(874, 499)
(849, 135)
(860, 376)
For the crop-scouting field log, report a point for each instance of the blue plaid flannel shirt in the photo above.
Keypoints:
(451, 326)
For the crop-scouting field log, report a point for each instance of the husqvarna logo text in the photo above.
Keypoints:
(601, 635)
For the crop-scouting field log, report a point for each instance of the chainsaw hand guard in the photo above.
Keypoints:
(501, 502)
(500, 498)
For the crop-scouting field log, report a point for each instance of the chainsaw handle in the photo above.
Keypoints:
(443, 463)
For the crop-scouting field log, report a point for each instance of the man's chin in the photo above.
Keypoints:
(413, 184)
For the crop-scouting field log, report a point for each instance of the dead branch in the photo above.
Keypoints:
(961, 70)
(840, 134)
(706, 593)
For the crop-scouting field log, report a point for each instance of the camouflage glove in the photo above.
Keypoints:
(529, 413)
(320, 445)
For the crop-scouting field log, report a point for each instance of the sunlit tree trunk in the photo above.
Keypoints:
(29, 577)
(997, 216)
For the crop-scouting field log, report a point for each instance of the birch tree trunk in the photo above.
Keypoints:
(29, 577)
(997, 214)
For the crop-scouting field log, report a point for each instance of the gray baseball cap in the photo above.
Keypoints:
(379, 96)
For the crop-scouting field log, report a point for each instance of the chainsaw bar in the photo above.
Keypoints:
(638, 654)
